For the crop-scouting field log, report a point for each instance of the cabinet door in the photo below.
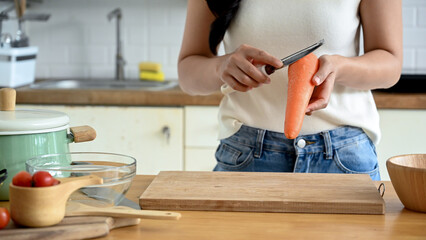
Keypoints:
(201, 132)
(199, 159)
(201, 126)
(152, 135)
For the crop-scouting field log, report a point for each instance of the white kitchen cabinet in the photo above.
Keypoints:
(201, 137)
(142, 132)
(199, 159)
(152, 135)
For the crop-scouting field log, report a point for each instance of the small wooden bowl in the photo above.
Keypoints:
(408, 176)
(45, 206)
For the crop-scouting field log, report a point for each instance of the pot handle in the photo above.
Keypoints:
(83, 133)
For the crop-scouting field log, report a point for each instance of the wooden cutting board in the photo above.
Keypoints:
(69, 228)
(263, 192)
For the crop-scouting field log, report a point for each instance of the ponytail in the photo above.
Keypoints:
(224, 10)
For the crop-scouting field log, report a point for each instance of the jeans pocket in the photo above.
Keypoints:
(233, 157)
(357, 157)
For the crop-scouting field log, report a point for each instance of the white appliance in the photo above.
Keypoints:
(17, 66)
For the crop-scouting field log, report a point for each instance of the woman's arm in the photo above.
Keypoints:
(379, 67)
(196, 63)
(201, 72)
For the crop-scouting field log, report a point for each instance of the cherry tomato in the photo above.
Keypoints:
(43, 179)
(22, 179)
(4, 217)
(56, 181)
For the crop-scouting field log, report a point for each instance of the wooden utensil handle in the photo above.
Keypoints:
(69, 185)
(23, 6)
(124, 222)
(7, 99)
(129, 213)
(83, 133)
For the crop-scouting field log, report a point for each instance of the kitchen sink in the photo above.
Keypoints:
(104, 84)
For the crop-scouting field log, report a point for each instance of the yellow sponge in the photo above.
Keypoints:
(149, 66)
(151, 76)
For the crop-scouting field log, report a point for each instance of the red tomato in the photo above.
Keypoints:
(56, 181)
(22, 179)
(4, 217)
(43, 179)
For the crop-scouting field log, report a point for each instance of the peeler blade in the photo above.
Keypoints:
(268, 69)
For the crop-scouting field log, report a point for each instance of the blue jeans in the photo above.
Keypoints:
(341, 150)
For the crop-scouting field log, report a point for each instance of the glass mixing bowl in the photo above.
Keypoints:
(116, 170)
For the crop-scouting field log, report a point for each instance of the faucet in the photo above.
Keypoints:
(119, 60)
(4, 16)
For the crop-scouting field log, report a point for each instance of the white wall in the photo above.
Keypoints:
(403, 132)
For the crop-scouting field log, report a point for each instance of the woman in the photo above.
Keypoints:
(342, 127)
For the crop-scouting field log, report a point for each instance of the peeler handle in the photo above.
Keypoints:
(266, 69)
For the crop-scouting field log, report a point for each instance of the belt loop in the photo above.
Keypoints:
(327, 145)
(259, 143)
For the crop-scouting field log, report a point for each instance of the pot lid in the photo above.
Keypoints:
(24, 121)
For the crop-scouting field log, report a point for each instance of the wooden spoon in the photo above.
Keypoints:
(80, 209)
(45, 206)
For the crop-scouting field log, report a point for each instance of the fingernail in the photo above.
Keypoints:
(317, 80)
(268, 80)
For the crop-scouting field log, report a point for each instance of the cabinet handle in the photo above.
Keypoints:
(166, 133)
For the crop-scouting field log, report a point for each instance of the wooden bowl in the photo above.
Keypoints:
(408, 176)
(44, 206)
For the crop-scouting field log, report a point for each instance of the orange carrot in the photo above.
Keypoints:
(300, 88)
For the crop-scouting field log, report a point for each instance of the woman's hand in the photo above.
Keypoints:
(239, 69)
(324, 81)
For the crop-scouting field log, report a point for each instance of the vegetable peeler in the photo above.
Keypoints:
(268, 69)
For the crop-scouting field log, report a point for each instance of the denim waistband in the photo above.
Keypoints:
(325, 141)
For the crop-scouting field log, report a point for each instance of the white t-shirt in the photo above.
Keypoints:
(282, 27)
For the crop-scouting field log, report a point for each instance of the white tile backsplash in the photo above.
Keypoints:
(56, 54)
(409, 16)
(422, 16)
(409, 57)
(421, 58)
(68, 71)
(414, 22)
(79, 41)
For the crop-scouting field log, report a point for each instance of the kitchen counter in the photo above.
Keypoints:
(176, 97)
(171, 97)
(397, 223)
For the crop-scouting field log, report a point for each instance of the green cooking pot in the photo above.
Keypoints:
(28, 133)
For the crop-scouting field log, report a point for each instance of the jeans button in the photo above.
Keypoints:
(301, 143)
